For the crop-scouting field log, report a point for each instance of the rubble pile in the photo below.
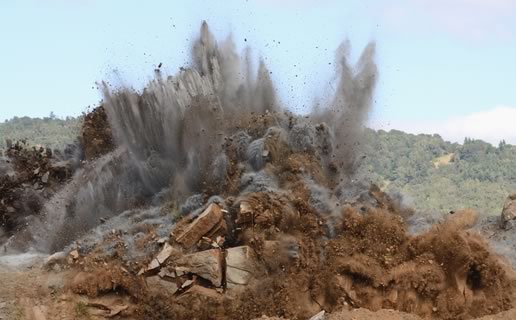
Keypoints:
(216, 266)
(29, 175)
(272, 248)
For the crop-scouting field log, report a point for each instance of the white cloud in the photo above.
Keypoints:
(492, 125)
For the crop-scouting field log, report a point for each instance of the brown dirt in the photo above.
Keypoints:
(364, 314)
(31, 293)
(111, 278)
(96, 135)
(447, 273)
(386, 314)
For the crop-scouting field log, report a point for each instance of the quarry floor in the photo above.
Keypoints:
(30, 293)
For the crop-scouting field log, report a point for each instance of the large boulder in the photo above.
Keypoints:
(509, 211)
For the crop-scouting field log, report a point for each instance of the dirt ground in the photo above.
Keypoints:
(96, 289)
(35, 294)
(32, 293)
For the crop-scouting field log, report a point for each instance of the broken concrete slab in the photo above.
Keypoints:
(206, 264)
(218, 230)
(209, 222)
(167, 275)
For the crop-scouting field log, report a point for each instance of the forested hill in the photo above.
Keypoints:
(432, 174)
(436, 175)
(49, 131)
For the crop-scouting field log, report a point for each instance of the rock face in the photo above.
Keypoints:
(509, 211)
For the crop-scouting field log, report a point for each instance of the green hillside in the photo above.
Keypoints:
(50, 131)
(436, 175)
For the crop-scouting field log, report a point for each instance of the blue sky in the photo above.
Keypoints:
(446, 66)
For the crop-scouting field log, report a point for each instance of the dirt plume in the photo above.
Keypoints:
(448, 272)
(96, 137)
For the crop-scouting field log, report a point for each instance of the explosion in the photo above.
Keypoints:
(203, 197)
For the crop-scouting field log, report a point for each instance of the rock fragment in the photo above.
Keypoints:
(166, 253)
(206, 264)
(157, 282)
(240, 266)
(106, 309)
(210, 224)
(160, 260)
(320, 316)
(509, 211)
(45, 177)
(197, 290)
(74, 254)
